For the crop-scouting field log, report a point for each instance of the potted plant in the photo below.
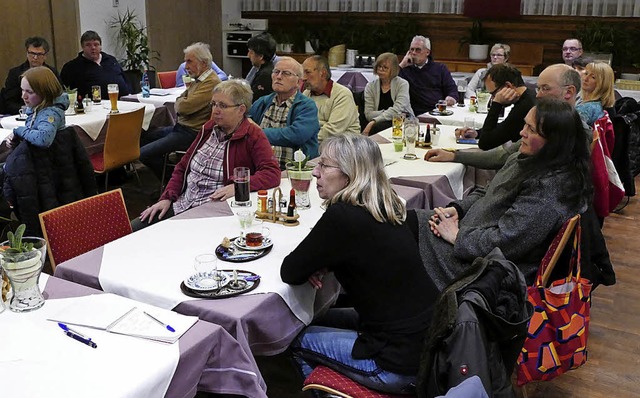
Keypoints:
(599, 40)
(478, 41)
(132, 38)
(300, 176)
(22, 259)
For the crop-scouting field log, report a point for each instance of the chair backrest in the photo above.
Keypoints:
(167, 79)
(122, 142)
(557, 247)
(328, 380)
(81, 226)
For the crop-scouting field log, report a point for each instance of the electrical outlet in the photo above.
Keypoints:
(116, 3)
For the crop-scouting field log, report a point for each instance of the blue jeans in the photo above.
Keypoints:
(331, 347)
(155, 144)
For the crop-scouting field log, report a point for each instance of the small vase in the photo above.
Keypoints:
(300, 181)
(73, 98)
(23, 270)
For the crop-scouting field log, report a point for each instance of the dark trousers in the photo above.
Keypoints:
(155, 144)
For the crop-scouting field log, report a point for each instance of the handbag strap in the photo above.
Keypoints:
(556, 248)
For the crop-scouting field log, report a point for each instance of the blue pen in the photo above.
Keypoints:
(77, 336)
(169, 328)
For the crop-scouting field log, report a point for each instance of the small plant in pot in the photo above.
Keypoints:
(300, 176)
(22, 259)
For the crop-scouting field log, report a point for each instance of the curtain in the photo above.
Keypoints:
(604, 8)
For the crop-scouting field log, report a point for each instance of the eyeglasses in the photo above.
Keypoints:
(572, 49)
(497, 55)
(324, 166)
(35, 55)
(222, 105)
(546, 89)
(383, 67)
(416, 49)
(284, 73)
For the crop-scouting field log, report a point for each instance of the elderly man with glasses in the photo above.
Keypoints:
(288, 118)
(11, 96)
(429, 81)
(571, 49)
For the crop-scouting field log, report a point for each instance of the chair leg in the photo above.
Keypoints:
(106, 181)
(164, 171)
(133, 166)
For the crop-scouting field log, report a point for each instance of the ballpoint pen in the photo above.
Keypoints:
(169, 328)
(77, 336)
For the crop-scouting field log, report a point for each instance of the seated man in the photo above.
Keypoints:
(571, 49)
(182, 71)
(429, 81)
(226, 141)
(337, 111)
(262, 48)
(288, 118)
(192, 107)
(11, 94)
(507, 87)
(92, 67)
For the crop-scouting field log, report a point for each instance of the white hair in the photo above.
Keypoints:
(426, 43)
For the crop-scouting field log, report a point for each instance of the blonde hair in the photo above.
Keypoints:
(392, 59)
(44, 83)
(505, 47)
(368, 186)
(604, 84)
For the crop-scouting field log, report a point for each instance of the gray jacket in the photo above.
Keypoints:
(399, 94)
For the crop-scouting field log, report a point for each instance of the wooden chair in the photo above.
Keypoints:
(84, 225)
(121, 144)
(328, 380)
(167, 79)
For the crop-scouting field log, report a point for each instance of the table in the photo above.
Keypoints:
(91, 127)
(209, 359)
(459, 114)
(171, 95)
(635, 94)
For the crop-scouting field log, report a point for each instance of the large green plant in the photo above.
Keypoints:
(132, 37)
(476, 34)
(598, 37)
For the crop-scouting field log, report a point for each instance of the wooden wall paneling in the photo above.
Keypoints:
(65, 17)
(173, 25)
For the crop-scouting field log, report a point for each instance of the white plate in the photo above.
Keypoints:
(203, 281)
(239, 242)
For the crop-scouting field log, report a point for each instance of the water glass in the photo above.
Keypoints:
(207, 265)
(246, 218)
(469, 123)
(113, 91)
(411, 129)
(241, 179)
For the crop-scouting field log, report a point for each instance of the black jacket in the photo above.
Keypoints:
(479, 326)
(40, 179)
(11, 94)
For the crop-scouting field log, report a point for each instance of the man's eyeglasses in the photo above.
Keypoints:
(284, 73)
(546, 89)
(35, 55)
(572, 49)
(416, 49)
(324, 166)
(222, 105)
(497, 55)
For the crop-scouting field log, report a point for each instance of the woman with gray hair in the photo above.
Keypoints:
(387, 96)
(499, 55)
(226, 141)
(364, 238)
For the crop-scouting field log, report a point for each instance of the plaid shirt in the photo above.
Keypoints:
(276, 117)
(205, 172)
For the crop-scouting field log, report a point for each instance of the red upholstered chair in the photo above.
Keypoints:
(325, 379)
(81, 226)
(167, 79)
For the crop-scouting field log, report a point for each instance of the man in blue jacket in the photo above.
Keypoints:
(288, 118)
(429, 81)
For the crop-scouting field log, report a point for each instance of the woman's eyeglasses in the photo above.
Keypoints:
(222, 105)
(324, 166)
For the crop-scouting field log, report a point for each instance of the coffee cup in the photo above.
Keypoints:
(256, 233)
(442, 106)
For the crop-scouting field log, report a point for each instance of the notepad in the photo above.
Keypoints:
(161, 92)
(120, 315)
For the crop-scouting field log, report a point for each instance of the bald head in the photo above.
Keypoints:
(559, 81)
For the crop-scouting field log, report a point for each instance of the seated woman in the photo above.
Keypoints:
(226, 141)
(46, 103)
(538, 189)
(386, 96)
(363, 238)
(499, 55)
(597, 91)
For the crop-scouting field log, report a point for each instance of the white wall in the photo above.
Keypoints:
(95, 14)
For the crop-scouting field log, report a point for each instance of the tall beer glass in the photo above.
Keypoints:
(113, 91)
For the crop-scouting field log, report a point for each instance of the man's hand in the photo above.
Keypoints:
(506, 96)
(451, 101)
(439, 155)
(223, 193)
(406, 61)
(465, 133)
(150, 212)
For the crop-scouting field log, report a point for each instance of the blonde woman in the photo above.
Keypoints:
(365, 238)
(499, 55)
(597, 91)
(386, 96)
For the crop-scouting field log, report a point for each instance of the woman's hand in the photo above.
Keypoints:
(223, 193)
(444, 223)
(367, 129)
(316, 279)
(159, 208)
(465, 133)
(8, 141)
(439, 155)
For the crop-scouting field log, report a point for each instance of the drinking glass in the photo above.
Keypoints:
(113, 91)
(186, 79)
(462, 91)
(246, 218)
(483, 101)
(411, 129)
(256, 233)
(241, 178)
(207, 265)
(469, 123)
(442, 106)
(300, 178)
(96, 94)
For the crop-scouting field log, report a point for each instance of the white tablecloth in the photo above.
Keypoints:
(459, 113)
(93, 121)
(39, 360)
(161, 99)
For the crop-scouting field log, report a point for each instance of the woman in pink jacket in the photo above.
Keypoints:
(226, 141)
